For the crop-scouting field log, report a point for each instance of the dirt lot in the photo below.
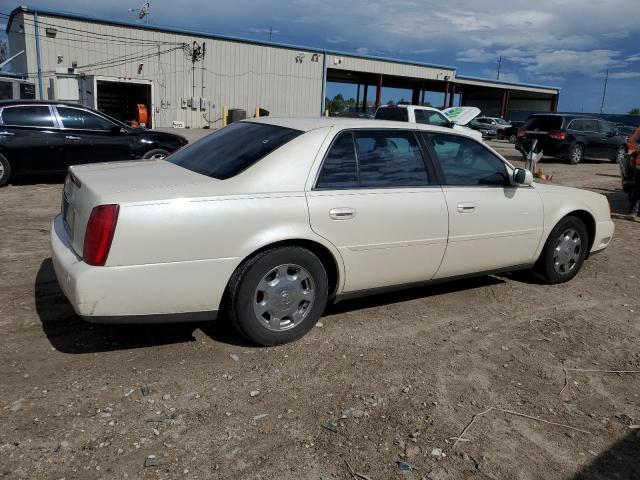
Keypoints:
(401, 374)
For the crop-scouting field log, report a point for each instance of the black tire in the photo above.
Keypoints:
(243, 293)
(158, 153)
(576, 154)
(5, 171)
(546, 268)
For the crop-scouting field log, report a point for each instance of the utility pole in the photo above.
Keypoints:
(270, 32)
(499, 66)
(604, 91)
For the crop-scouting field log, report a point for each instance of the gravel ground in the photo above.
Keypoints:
(388, 379)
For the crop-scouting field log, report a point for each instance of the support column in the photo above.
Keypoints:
(422, 99)
(364, 98)
(358, 98)
(453, 94)
(446, 94)
(415, 96)
(554, 103)
(503, 104)
(378, 91)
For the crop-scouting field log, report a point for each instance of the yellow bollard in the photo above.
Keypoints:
(225, 114)
(257, 112)
(326, 112)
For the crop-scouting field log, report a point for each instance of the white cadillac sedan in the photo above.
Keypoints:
(268, 219)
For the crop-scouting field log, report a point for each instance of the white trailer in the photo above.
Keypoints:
(118, 97)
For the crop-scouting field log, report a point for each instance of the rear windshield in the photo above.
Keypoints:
(230, 150)
(396, 114)
(544, 123)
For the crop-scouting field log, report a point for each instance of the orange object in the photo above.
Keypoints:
(143, 114)
(633, 142)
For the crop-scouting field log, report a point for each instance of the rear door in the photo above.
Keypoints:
(612, 140)
(492, 224)
(30, 140)
(376, 200)
(595, 139)
(90, 138)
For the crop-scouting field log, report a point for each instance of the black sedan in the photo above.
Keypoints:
(38, 137)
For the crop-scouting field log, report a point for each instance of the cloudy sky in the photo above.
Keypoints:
(565, 43)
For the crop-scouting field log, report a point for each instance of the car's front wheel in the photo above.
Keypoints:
(564, 252)
(621, 152)
(576, 153)
(278, 295)
(5, 171)
(156, 154)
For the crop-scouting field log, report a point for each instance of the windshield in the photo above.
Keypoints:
(230, 150)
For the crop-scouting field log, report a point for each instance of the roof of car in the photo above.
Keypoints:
(311, 123)
(407, 105)
(563, 115)
(5, 103)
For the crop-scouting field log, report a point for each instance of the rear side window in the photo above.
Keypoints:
(591, 125)
(392, 113)
(340, 168)
(466, 162)
(608, 128)
(230, 150)
(28, 116)
(81, 119)
(373, 159)
(543, 123)
(576, 125)
(389, 158)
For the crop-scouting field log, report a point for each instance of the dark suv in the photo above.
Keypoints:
(572, 137)
(38, 137)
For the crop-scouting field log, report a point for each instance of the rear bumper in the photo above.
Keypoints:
(604, 234)
(164, 292)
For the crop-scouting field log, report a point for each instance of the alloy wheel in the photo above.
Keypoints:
(284, 297)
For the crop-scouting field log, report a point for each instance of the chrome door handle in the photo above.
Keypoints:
(71, 137)
(6, 133)
(344, 213)
(467, 207)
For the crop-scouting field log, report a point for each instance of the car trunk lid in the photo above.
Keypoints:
(87, 186)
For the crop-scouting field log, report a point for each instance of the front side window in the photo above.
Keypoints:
(28, 116)
(465, 161)
(429, 117)
(83, 120)
(230, 150)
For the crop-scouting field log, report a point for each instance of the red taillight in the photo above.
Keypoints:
(99, 234)
(558, 134)
(522, 132)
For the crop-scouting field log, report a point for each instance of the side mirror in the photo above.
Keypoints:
(451, 124)
(522, 176)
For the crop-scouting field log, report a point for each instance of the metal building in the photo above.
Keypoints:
(188, 77)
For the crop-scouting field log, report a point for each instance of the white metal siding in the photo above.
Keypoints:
(345, 62)
(238, 75)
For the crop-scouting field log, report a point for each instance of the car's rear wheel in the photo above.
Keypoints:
(5, 171)
(156, 154)
(621, 152)
(564, 251)
(576, 154)
(278, 295)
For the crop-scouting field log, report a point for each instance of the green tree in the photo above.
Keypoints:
(634, 111)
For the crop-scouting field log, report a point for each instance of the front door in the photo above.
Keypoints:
(492, 224)
(375, 201)
(90, 138)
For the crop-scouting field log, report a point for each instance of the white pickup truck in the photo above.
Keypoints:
(425, 115)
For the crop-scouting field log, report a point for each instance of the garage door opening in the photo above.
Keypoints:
(127, 100)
